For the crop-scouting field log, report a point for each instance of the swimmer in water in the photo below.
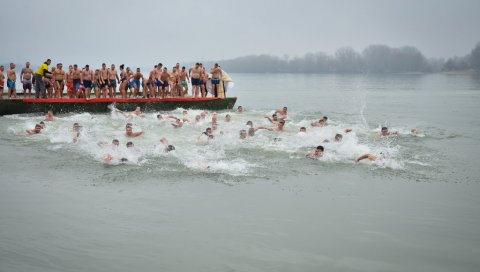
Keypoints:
(177, 124)
(205, 137)
(166, 146)
(282, 113)
(42, 124)
(36, 130)
(228, 118)
(136, 112)
(240, 109)
(318, 123)
(279, 127)
(303, 130)
(50, 116)
(385, 132)
(76, 132)
(316, 153)
(274, 119)
(129, 132)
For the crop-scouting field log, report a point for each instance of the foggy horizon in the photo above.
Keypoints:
(107, 31)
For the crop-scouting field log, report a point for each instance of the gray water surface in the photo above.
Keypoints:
(260, 206)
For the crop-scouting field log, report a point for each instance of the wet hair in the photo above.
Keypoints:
(128, 125)
(325, 118)
(123, 159)
(249, 123)
(169, 148)
(384, 128)
(243, 132)
(129, 144)
(338, 137)
(42, 123)
(320, 148)
(159, 116)
(303, 128)
(160, 64)
(282, 121)
(115, 141)
(38, 126)
(122, 66)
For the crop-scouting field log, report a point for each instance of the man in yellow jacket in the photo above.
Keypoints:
(42, 72)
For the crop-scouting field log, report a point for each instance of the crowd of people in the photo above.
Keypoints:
(278, 120)
(104, 82)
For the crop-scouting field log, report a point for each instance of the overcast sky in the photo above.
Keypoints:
(144, 32)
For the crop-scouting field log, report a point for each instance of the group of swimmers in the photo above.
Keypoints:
(277, 119)
(80, 82)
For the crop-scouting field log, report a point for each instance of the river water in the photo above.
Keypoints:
(256, 204)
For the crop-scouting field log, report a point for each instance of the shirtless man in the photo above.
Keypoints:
(36, 130)
(76, 132)
(129, 132)
(174, 82)
(11, 79)
(123, 81)
(96, 83)
(164, 78)
(216, 72)
(274, 119)
(203, 82)
(195, 76)
(279, 126)
(240, 109)
(59, 80)
(166, 146)
(152, 82)
(112, 80)
(50, 116)
(87, 80)
(184, 80)
(104, 80)
(136, 112)
(282, 113)
(385, 132)
(158, 73)
(136, 82)
(26, 77)
(2, 81)
(315, 153)
(76, 80)
(318, 123)
(69, 80)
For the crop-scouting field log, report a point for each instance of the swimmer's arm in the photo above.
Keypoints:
(364, 156)
(263, 127)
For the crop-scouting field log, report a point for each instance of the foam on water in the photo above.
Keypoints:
(225, 154)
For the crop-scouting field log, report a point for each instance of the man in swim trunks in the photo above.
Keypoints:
(164, 78)
(86, 79)
(216, 72)
(104, 80)
(77, 78)
(59, 80)
(11, 79)
(26, 76)
(195, 73)
(69, 80)
(42, 72)
(184, 80)
(2, 81)
(113, 79)
(136, 82)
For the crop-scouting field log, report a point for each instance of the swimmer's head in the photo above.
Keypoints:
(243, 134)
(169, 148)
(228, 118)
(325, 118)
(129, 144)
(303, 129)
(249, 123)
(197, 118)
(115, 142)
(38, 128)
(338, 137)
(42, 124)
(318, 151)
(384, 131)
(159, 116)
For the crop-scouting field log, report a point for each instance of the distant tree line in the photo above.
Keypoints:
(373, 59)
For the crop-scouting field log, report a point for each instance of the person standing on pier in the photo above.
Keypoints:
(42, 71)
